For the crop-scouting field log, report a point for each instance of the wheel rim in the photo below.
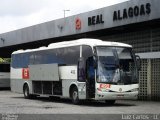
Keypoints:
(75, 95)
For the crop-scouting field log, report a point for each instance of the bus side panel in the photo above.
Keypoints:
(4, 80)
(68, 72)
(66, 86)
(44, 72)
(4, 83)
(68, 75)
(17, 82)
(17, 85)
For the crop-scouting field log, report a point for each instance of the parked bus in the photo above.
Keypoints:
(4, 75)
(80, 69)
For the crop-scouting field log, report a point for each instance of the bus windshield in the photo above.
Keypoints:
(116, 65)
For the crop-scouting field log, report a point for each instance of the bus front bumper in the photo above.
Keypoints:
(116, 95)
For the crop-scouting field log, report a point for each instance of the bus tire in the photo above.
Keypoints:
(26, 92)
(74, 96)
(110, 102)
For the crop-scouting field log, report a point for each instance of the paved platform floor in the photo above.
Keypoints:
(14, 103)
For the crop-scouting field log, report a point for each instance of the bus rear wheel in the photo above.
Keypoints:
(26, 92)
(74, 96)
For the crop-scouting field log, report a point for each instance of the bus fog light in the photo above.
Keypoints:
(107, 90)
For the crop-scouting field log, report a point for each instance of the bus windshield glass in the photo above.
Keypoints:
(116, 65)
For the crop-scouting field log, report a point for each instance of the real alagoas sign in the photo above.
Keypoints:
(94, 20)
(126, 13)
(135, 11)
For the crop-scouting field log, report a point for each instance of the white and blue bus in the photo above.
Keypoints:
(80, 69)
(4, 75)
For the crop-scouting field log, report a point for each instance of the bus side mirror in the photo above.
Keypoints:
(138, 60)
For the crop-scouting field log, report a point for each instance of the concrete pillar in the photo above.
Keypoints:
(149, 78)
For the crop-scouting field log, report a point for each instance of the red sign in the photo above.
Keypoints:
(106, 86)
(78, 24)
(25, 73)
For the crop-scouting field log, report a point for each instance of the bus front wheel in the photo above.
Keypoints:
(74, 96)
(26, 92)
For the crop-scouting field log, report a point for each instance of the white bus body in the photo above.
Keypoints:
(4, 75)
(80, 69)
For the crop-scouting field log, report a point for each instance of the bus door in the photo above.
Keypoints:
(82, 78)
(90, 78)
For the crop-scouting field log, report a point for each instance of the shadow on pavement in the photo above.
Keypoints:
(87, 103)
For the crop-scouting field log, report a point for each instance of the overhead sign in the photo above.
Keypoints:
(135, 11)
(93, 20)
(78, 24)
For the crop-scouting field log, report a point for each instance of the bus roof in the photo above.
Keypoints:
(84, 41)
